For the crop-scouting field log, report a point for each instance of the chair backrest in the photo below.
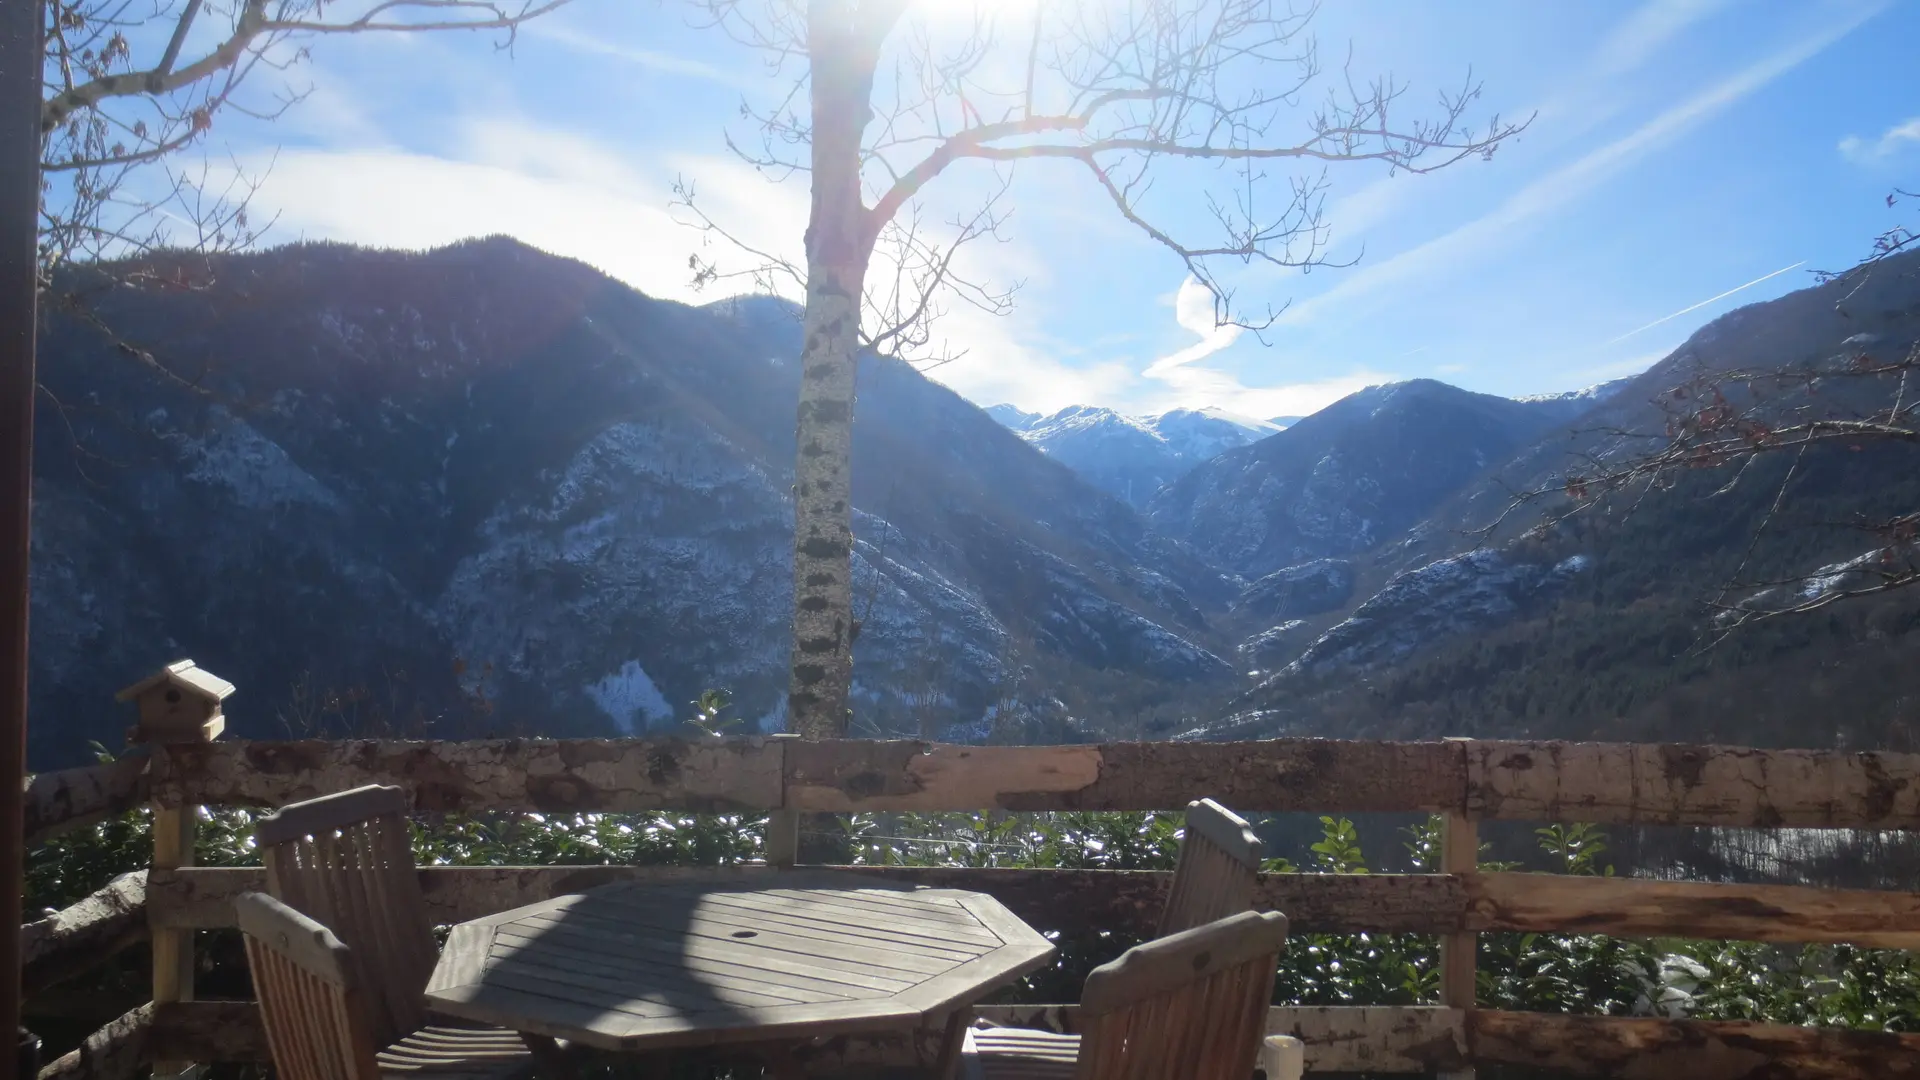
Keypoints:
(1218, 869)
(346, 860)
(309, 1001)
(1192, 1005)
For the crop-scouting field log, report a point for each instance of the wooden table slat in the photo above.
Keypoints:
(821, 969)
(939, 909)
(548, 965)
(849, 986)
(679, 997)
(971, 932)
(906, 955)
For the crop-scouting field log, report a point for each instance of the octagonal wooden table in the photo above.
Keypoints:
(773, 960)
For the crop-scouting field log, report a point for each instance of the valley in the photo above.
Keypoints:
(483, 490)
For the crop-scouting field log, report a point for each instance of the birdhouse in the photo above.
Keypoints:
(179, 703)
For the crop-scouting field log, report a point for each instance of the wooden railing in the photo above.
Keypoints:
(1467, 782)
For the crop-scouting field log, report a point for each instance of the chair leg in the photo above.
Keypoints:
(947, 1066)
(554, 1061)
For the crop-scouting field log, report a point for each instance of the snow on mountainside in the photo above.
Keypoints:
(1349, 478)
(1132, 456)
(485, 475)
(1013, 417)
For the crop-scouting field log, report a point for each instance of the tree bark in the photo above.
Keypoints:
(840, 236)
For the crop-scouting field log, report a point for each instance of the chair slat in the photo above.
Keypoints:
(346, 861)
(1219, 868)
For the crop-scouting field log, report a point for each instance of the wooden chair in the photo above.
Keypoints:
(1190, 1006)
(1218, 869)
(315, 1017)
(346, 861)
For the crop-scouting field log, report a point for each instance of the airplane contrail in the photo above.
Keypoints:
(1708, 300)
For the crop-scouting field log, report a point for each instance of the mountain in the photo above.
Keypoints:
(1013, 417)
(1196, 435)
(483, 489)
(1132, 456)
(1350, 477)
(1612, 624)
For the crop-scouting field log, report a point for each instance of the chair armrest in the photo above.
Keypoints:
(1282, 1057)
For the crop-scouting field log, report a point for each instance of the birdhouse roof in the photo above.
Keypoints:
(184, 674)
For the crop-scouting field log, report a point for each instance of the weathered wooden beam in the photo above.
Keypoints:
(1129, 901)
(1544, 781)
(1638, 907)
(1374, 1040)
(209, 1031)
(119, 1051)
(78, 938)
(1354, 1039)
(550, 775)
(1267, 776)
(1674, 784)
(70, 798)
(1632, 1048)
(1120, 900)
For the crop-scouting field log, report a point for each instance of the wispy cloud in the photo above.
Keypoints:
(1862, 151)
(1193, 310)
(1651, 28)
(563, 193)
(1572, 181)
(1589, 96)
(664, 63)
(1704, 303)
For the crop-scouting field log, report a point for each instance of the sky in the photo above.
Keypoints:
(1683, 157)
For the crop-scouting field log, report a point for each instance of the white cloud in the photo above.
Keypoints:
(664, 63)
(562, 193)
(1861, 151)
(1293, 399)
(1650, 28)
(1575, 108)
(1447, 254)
(1193, 309)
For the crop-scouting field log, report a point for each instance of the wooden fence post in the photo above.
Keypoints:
(1459, 855)
(783, 825)
(180, 703)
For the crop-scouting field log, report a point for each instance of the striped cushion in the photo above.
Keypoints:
(1018, 1054)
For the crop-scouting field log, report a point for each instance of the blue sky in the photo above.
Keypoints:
(1682, 149)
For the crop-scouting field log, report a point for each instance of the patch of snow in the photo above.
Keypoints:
(630, 698)
(255, 468)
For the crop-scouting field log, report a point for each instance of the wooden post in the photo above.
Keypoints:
(180, 703)
(783, 826)
(783, 839)
(1459, 855)
(21, 61)
(174, 832)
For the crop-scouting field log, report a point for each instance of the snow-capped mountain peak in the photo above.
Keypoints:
(1132, 456)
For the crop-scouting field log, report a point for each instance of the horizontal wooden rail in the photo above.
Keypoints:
(1633, 1047)
(1129, 901)
(70, 798)
(1605, 783)
(122, 1049)
(1376, 1040)
(84, 935)
(1339, 1039)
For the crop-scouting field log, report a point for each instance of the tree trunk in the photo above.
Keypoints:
(840, 240)
(822, 662)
